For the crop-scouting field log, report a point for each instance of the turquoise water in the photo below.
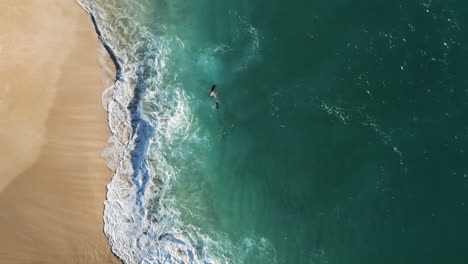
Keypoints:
(340, 138)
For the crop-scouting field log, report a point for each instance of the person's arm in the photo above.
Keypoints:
(212, 90)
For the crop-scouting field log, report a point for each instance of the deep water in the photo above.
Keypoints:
(341, 135)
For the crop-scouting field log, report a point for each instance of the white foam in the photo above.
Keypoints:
(368, 121)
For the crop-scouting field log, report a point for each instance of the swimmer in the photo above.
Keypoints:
(212, 93)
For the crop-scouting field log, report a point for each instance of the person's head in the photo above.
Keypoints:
(211, 93)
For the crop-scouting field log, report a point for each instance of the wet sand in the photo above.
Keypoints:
(52, 130)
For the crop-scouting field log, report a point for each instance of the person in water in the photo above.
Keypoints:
(212, 93)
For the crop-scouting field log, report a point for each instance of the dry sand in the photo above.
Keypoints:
(52, 129)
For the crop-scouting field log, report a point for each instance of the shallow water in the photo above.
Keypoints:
(340, 137)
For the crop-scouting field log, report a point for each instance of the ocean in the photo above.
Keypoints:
(341, 135)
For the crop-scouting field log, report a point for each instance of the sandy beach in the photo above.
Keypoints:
(52, 130)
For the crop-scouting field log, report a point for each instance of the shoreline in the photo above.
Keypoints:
(127, 145)
(53, 181)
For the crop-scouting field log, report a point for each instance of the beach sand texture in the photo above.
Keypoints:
(52, 129)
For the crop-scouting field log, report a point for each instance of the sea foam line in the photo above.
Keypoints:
(128, 224)
(125, 123)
